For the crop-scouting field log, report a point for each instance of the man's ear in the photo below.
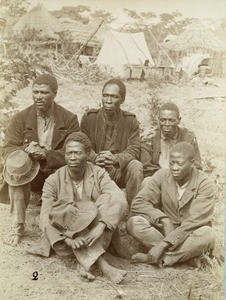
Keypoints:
(122, 101)
(192, 160)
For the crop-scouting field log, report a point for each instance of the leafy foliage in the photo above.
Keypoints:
(14, 8)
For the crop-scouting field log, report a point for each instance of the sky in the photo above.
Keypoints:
(202, 9)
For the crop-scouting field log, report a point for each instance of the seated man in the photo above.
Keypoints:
(40, 131)
(172, 213)
(115, 138)
(81, 207)
(156, 154)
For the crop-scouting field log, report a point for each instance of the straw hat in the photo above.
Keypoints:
(19, 168)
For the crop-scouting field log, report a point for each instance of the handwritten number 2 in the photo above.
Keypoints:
(35, 275)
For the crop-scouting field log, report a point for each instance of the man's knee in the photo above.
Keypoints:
(135, 223)
(134, 167)
(206, 235)
(146, 181)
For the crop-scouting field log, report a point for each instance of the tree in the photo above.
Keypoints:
(14, 8)
(102, 15)
(76, 13)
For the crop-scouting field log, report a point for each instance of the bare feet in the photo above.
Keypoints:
(83, 273)
(139, 258)
(15, 235)
(13, 239)
(113, 274)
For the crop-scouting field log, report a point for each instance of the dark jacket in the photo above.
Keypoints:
(150, 152)
(126, 134)
(158, 198)
(23, 129)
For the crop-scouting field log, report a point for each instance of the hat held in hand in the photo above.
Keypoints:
(19, 168)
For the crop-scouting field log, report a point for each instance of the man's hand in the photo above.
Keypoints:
(109, 158)
(157, 252)
(99, 160)
(75, 243)
(94, 233)
(35, 151)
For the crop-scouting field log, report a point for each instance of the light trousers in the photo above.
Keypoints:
(199, 241)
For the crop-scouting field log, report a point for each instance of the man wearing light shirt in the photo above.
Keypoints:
(155, 154)
(172, 213)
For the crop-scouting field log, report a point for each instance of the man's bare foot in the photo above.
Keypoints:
(13, 240)
(83, 273)
(139, 258)
(112, 273)
(15, 235)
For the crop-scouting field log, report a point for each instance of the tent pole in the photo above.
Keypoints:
(159, 45)
(84, 45)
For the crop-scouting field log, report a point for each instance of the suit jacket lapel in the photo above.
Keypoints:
(59, 131)
(88, 183)
(68, 184)
(156, 147)
(189, 192)
(172, 190)
(31, 125)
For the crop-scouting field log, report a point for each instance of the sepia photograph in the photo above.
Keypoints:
(112, 149)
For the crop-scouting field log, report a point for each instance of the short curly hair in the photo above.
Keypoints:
(47, 79)
(185, 148)
(81, 138)
(170, 106)
(120, 84)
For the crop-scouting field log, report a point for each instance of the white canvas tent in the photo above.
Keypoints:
(124, 50)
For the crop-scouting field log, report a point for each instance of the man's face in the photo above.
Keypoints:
(111, 99)
(43, 96)
(75, 156)
(180, 166)
(168, 121)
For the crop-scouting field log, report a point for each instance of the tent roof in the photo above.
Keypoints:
(40, 19)
(124, 49)
(195, 36)
(81, 32)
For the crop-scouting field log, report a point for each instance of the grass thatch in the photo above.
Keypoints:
(80, 32)
(196, 36)
(40, 20)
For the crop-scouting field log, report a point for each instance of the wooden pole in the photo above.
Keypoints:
(84, 45)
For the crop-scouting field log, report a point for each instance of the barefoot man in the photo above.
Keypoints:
(81, 207)
(172, 213)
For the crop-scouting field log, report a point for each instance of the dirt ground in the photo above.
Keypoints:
(57, 277)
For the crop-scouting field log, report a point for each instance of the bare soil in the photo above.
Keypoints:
(57, 277)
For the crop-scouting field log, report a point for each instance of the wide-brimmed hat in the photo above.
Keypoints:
(72, 217)
(19, 168)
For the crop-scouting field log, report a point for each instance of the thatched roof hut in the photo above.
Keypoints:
(41, 21)
(198, 39)
(80, 32)
(196, 36)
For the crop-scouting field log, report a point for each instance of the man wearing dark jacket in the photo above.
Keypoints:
(40, 131)
(115, 138)
(155, 155)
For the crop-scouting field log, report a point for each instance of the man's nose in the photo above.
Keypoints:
(167, 122)
(73, 156)
(38, 96)
(174, 166)
(109, 100)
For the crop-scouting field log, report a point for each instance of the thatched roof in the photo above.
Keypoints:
(81, 32)
(195, 36)
(40, 20)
